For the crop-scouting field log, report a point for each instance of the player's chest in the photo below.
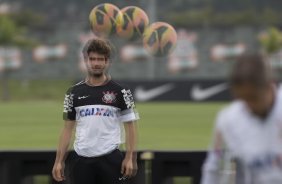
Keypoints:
(253, 136)
(97, 97)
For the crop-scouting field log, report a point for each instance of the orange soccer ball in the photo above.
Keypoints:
(135, 21)
(160, 39)
(104, 19)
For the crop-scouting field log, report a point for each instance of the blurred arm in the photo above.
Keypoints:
(211, 167)
(64, 141)
(129, 165)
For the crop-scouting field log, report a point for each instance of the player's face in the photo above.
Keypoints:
(96, 64)
(259, 100)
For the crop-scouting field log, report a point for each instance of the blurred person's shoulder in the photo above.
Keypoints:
(231, 113)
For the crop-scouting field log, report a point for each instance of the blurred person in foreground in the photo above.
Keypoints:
(98, 108)
(247, 142)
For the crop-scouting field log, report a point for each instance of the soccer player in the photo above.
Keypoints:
(247, 143)
(98, 108)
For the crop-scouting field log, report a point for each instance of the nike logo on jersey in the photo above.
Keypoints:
(82, 97)
(197, 93)
(144, 95)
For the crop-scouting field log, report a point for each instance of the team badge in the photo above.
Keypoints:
(109, 97)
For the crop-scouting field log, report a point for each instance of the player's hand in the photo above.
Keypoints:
(128, 168)
(135, 167)
(58, 171)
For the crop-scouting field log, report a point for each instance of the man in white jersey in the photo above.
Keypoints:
(98, 108)
(247, 141)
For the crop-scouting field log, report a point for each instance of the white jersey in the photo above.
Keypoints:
(254, 144)
(99, 112)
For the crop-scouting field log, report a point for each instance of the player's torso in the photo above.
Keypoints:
(254, 136)
(97, 116)
(97, 107)
(257, 143)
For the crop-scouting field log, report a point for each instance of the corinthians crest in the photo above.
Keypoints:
(109, 97)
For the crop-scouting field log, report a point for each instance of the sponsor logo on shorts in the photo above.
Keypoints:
(122, 178)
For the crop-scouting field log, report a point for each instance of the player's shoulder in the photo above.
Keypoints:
(76, 85)
(230, 112)
(234, 107)
(118, 85)
(80, 83)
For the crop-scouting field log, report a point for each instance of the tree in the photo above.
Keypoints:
(11, 35)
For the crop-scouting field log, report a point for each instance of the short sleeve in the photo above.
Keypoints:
(127, 106)
(69, 111)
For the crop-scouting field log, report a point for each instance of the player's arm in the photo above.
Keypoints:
(69, 116)
(129, 116)
(211, 167)
(64, 142)
(129, 164)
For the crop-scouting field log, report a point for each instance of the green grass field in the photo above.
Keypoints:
(163, 126)
(32, 119)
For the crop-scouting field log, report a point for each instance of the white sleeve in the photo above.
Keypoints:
(128, 115)
(211, 169)
(213, 163)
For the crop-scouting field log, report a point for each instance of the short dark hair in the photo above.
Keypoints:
(251, 69)
(99, 46)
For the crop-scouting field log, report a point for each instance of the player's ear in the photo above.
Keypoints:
(108, 61)
(84, 58)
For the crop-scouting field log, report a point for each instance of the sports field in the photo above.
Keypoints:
(33, 120)
(165, 126)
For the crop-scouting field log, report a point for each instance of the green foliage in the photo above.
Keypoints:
(28, 19)
(8, 30)
(271, 41)
(11, 34)
(212, 17)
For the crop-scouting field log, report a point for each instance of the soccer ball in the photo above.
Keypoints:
(160, 39)
(104, 19)
(135, 20)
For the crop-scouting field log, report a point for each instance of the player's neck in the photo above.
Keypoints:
(96, 81)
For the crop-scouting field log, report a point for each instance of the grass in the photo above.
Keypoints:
(175, 126)
(163, 126)
(32, 119)
(31, 90)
